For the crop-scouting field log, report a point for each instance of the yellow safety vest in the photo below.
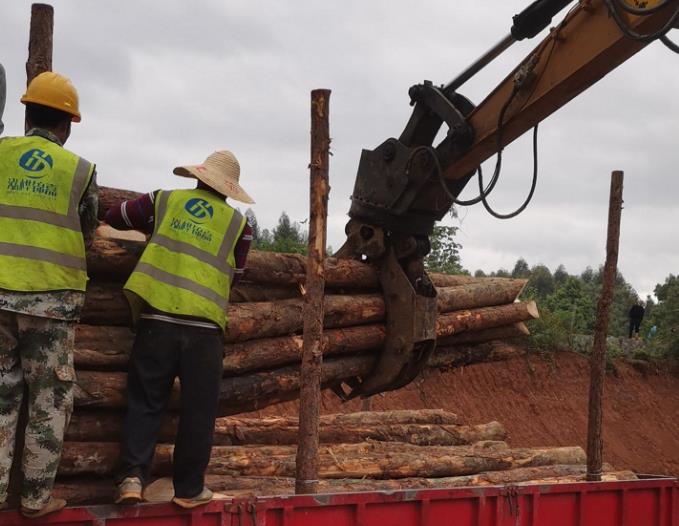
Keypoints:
(41, 241)
(187, 268)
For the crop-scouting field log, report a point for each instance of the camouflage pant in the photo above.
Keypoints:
(39, 352)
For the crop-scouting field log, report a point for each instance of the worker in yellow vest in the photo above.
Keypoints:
(48, 214)
(178, 295)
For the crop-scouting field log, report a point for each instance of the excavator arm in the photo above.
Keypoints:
(406, 184)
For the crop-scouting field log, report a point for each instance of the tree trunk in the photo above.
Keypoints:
(40, 41)
(257, 327)
(100, 427)
(503, 332)
(479, 294)
(370, 460)
(114, 259)
(253, 391)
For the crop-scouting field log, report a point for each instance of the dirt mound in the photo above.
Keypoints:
(544, 403)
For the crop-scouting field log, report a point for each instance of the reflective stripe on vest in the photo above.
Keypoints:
(41, 243)
(187, 267)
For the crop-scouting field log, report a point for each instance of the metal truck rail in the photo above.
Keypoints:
(650, 501)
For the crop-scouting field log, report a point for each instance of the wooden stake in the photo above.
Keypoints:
(40, 41)
(307, 460)
(39, 60)
(598, 359)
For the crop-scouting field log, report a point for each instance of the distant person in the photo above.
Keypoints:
(178, 295)
(48, 207)
(636, 315)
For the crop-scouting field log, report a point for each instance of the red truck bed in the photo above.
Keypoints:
(652, 501)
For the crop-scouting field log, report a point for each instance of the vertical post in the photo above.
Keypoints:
(40, 41)
(598, 360)
(312, 353)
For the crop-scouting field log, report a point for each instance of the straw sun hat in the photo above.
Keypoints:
(221, 172)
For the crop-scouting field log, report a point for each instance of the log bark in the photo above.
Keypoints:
(98, 427)
(369, 460)
(253, 391)
(40, 41)
(114, 259)
(257, 321)
(484, 293)
(105, 303)
(595, 443)
(306, 477)
(504, 332)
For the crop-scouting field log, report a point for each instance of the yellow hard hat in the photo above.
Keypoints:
(54, 91)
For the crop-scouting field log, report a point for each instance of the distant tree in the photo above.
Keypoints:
(665, 315)
(521, 269)
(479, 274)
(541, 281)
(501, 273)
(587, 275)
(560, 274)
(445, 251)
(286, 237)
(662, 289)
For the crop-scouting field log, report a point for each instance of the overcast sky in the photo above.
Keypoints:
(167, 83)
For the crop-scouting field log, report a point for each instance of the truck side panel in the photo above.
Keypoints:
(646, 502)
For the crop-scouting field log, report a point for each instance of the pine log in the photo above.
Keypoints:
(370, 460)
(100, 426)
(260, 319)
(105, 303)
(114, 259)
(91, 490)
(96, 427)
(253, 391)
(484, 293)
(503, 332)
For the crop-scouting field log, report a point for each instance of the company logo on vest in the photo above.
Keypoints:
(199, 209)
(36, 161)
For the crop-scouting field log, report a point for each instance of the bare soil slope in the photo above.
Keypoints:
(543, 403)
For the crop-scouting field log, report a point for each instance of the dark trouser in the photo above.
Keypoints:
(163, 351)
(634, 326)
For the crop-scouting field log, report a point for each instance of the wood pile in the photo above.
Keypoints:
(369, 450)
(360, 452)
(264, 341)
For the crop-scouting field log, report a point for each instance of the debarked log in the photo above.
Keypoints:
(253, 391)
(112, 259)
(370, 460)
(257, 322)
(100, 427)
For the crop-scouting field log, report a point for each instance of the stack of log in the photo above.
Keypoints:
(261, 367)
(360, 451)
(263, 340)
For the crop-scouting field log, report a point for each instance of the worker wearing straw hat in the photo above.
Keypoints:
(178, 296)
